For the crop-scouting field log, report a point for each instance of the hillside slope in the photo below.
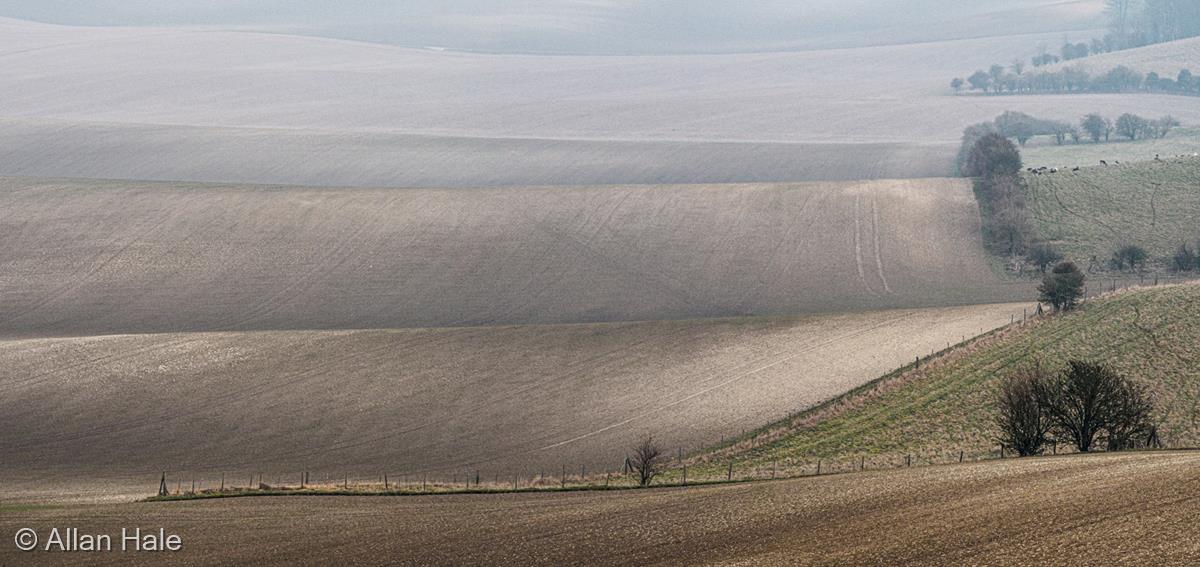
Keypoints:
(437, 401)
(85, 258)
(207, 105)
(947, 406)
(1043, 152)
(1093, 211)
(1166, 59)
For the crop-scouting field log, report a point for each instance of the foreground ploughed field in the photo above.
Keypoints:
(100, 417)
(1103, 509)
(105, 257)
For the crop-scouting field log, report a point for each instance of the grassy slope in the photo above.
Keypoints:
(1164, 58)
(1042, 151)
(1090, 212)
(946, 406)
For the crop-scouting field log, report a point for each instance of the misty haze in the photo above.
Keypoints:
(599, 282)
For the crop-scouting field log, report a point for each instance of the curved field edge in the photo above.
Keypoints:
(521, 400)
(944, 410)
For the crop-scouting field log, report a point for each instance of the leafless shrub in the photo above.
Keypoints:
(647, 460)
(1087, 400)
(1022, 420)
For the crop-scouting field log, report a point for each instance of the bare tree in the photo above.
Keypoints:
(1132, 255)
(1131, 423)
(1118, 14)
(1043, 255)
(1022, 420)
(647, 460)
(1081, 401)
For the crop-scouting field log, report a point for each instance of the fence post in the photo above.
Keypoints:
(862, 464)
(564, 476)
(907, 460)
(222, 482)
(685, 475)
(960, 456)
(818, 467)
(162, 485)
(774, 463)
(385, 482)
(729, 475)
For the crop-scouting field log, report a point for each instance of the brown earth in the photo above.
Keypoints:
(1104, 509)
(98, 417)
(104, 257)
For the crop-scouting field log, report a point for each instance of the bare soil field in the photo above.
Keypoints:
(88, 257)
(387, 159)
(1103, 509)
(99, 417)
(203, 105)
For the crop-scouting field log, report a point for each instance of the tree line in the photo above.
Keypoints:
(995, 162)
(1095, 127)
(1130, 25)
(1011, 80)
(1137, 23)
(989, 155)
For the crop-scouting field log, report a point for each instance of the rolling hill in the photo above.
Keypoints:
(946, 406)
(210, 105)
(613, 27)
(1093, 211)
(1043, 151)
(1166, 59)
(91, 417)
(98, 257)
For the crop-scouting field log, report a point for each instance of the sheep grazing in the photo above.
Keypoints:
(1076, 168)
(1104, 163)
(1054, 170)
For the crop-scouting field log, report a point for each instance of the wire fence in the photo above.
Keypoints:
(680, 474)
(709, 467)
